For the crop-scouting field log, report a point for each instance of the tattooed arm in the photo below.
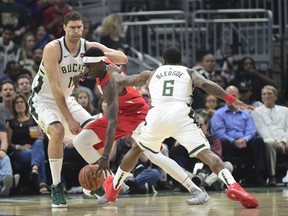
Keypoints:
(214, 89)
(133, 80)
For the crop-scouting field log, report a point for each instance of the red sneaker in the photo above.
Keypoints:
(110, 193)
(237, 193)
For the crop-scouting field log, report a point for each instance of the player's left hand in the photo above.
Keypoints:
(240, 105)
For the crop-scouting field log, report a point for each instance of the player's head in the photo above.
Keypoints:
(73, 26)
(172, 56)
(95, 62)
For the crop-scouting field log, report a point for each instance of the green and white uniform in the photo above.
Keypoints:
(42, 103)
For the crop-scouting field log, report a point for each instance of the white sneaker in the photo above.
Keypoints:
(198, 197)
(7, 184)
(285, 178)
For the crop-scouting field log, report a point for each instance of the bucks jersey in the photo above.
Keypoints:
(170, 83)
(70, 66)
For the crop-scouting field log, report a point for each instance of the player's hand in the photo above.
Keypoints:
(103, 166)
(240, 105)
(74, 126)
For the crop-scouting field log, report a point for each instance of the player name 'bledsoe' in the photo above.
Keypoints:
(73, 68)
(169, 73)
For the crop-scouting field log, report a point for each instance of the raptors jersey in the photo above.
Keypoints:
(170, 83)
(70, 66)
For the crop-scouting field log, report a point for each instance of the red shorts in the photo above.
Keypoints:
(126, 126)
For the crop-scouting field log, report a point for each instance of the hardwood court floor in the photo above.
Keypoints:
(273, 202)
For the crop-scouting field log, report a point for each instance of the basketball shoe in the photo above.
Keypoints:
(237, 193)
(110, 193)
(102, 200)
(198, 197)
(58, 197)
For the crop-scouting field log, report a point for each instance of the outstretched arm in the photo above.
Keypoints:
(132, 80)
(216, 90)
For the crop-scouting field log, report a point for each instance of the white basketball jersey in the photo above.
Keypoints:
(70, 66)
(170, 83)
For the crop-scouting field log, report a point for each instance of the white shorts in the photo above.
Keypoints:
(170, 121)
(47, 112)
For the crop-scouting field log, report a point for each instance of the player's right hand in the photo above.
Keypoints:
(74, 126)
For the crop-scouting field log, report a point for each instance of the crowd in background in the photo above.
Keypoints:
(256, 141)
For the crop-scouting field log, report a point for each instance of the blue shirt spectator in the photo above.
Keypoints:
(232, 125)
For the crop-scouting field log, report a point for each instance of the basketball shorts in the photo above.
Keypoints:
(170, 121)
(126, 126)
(47, 112)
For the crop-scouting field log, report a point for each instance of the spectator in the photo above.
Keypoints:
(8, 49)
(27, 46)
(111, 32)
(7, 93)
(43, 37)
(54, 15)
(14, 15)
(205, 66)
(271, 121)
(102, 107)
(25, 138)
(12, 71)
(23, 85)
(246, 95)
(7, 180)
(236, 130)
(84, 100)
(247, 72)
(37, 57)
(210, 106)
(229, 68)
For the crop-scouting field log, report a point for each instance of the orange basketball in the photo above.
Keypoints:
(87, 178)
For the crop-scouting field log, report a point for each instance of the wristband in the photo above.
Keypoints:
(229, 98)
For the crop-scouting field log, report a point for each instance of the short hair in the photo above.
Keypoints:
(24, 76)
(7, 81)
(172, 55)
(94, 51)
(272, 88)
(8, 27)
(200, 54)
(72, 16)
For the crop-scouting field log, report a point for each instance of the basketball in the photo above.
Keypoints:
(87, 178)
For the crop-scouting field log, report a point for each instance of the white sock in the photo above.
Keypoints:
(56, 167)
(84, 142)
(119, 178)
(172, 168)
(189, 184)
(226, 176)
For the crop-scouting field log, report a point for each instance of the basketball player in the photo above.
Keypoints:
(50, 103)
(131, 113)
(171, 87)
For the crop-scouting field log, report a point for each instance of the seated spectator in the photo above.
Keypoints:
(12, 71)
(83, 98)
(111, 34)
(229, 68)
(43, 37)
(37, 57)
(210, 103)
(247, 72)
(8, 49)
(271, 121)
(25, 141)
(236, 130)
(7, 93)
(7, 180)
(142, 173)
(24, 85)
(102, 107)
(246, 95)
(27, 45)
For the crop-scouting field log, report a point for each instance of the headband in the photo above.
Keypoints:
(95, 59)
